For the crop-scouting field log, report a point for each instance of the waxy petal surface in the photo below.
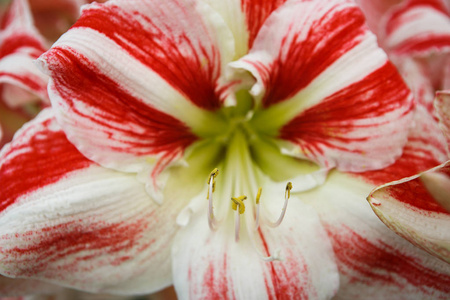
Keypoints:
(405, 205)
(212, 265)
(410, 210)
(69, 221)
(122, 79)
(335, 97)
(417, 27)
(20, 45)
(425, 149)
(373, 262)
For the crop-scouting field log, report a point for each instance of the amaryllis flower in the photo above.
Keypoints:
(22, 85)
(414, 30)
(417, 207)
(178, 133)
(417, 36)
(20, 44)
(23, 88)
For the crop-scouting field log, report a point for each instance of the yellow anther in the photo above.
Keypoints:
(238, 201)
(212, 176)
(288, 190)
(258, 195)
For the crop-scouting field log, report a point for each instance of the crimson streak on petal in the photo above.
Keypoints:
(282, 280)
(45, 158)
(408, 28)
(21, 41)
(117, 113)
(382, 263)
(334, 122)
(256, 12)
(217, 287)
(68, 220)
(71, 238)
(28, 79)
(304, 58)
(396, 19)
(184, 61)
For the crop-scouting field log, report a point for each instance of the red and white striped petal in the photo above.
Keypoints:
(417, 27)
(419, 80)
(245, 19)
(20, 45)
(410, 210)
(134, 80)
(403, 207)
(442, 104)
(335, 96)
(212, 265)
(16, 287)
(426, 148)
(69, 221)
(374, 263)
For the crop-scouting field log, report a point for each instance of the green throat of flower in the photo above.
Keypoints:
(250, 160)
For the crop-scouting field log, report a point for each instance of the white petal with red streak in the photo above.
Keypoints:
(410, 210)
(426, 140)
(302, 24)
(20, 45)
(143, 62)
(409, 203)
(18, 16)
(299, 88)
(68, 221)
(417, 27)
(374, 263)
(22, 81)
(213, 265)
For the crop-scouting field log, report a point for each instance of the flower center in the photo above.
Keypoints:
(249, 158)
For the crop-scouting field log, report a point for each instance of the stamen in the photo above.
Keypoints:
(272, 257)
(258, 196)
(287, 195)
(237, 201)
(212, 176)
(212, 222)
